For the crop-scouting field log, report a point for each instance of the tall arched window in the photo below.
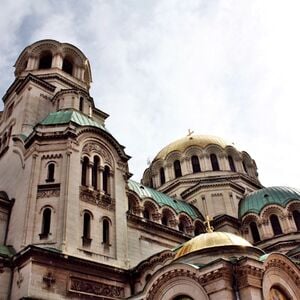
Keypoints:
(95, 172)
(198, 228)
(85, 166)
(46, 222)
(296, 216)
(67, 66)
(162, 176)
(214, 162)
(86, 238)
(105, 178)
(254, 232)
(181, 226)
(50, 174)
(105, 232)
(275, 225)
(195, 164)
(245, 167)
(45, 60)
(146, 213)
(231, 164)
(177, 169)
(81, 104)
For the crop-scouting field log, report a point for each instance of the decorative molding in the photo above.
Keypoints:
(96, 289)
(93, 147)
(48, 190)
(51, 156)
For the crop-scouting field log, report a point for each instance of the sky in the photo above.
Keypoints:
(160, 67)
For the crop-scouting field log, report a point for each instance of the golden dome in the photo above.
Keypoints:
(191, 140)
(211, 240)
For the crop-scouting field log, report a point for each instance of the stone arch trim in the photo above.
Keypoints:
(280, 271)
(151, 204)
(173, 281)
(251, 218)
(175, 155)
(193, 150)
(272, 209)
(293, 205)
(47, 206)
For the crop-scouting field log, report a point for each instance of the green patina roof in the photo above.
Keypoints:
(6, 251)
(70, 115)
(257, 200)
(163, 200)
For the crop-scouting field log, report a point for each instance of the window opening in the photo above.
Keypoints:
(45, 60)
(85, 165)
(46, 221)
(195, 164)
(95, 172)
(214, 162)
(105, 232)
(255, 232)
(231, 164)
(51, 170)
(67, 66)
(177, 169)
(106, 179)
(275, 225)
(162, 176)
(296, 216)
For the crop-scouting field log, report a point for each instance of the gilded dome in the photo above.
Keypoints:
(211, 240)
(191, 140)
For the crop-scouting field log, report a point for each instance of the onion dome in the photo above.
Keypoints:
(211, 240)
(192, 140)
(256, 201)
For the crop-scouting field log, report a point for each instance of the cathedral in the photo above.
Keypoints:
(74, 225)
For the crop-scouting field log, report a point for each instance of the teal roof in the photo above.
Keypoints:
(257, 200)
(162, 200)
(70, 115)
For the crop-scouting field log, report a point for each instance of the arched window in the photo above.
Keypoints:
(81, 104)
(146, 213)
(195, 164)
(105, 232)
(162, 176)
(231, 164)
(198, 228)
(177, 169)
(50, 174)
(214, 162)
(45, 60)
(245, 167)
(275, 225)
(254, 232)
(106, 179)
(296, 216)
(181, 226)
(85, 166)
(164, 220)
(95, 172)
(67, 66)
(86, 238)
(46, 221)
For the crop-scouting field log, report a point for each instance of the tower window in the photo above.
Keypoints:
(177, 169)
(245, 167)
(231, 164)
(106, 179)
(81, 104)
(51, 170)
(85, 165)
(214, 162)
(254, 232)
(45, 60)
(195, 164)
(95, 172)
(146, 214)
(296, 216)
(46, 221)
(275, 225)
(86, 238)
(105, 231)
(67, 66)
(162, 176)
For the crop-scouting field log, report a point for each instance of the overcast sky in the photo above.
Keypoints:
(226, 68)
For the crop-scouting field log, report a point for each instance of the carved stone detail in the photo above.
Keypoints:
(79, 285)
(48, 193)
(92, 147)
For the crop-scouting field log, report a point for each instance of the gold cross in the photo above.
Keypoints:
(209, 228)
(190, 132)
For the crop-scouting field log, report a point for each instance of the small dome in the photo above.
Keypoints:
(192, 140)
(256, 201)
(211, 240)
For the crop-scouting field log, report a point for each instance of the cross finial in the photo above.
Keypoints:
(209, 228)
(190, 132)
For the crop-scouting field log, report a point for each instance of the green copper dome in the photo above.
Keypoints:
(256, 201)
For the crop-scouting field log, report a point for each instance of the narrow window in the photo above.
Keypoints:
(181, 226)
(146, 214)
(162, 176)
(67, 66)
(214, 162)
(296, 216)
(164, 220)
(195, 164)
(46, 223)
(95, 172)
(231, 164)
(275, 225)
(45, 60)
(197, 230)
(106, 179)
(85, 165)
(254, 232)
(86, 238)
(105, 233)
(177, 169)
(51, 170)
(245, 167)
(81, 104)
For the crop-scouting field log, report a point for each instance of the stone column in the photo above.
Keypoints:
(89, 174)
